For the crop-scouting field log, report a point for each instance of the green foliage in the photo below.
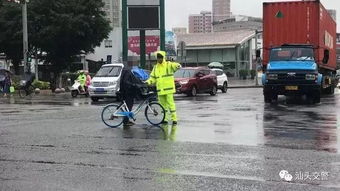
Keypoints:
(64, 28)
(244, 73)
(41, 85)
(11, 32)
(252, 74)
(15, 82)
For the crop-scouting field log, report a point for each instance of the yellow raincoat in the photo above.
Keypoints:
(162, 75)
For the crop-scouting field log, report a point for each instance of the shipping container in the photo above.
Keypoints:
(300, 22)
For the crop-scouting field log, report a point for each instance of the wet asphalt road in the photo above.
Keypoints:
(231, 141)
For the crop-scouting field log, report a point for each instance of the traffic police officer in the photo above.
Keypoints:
(162, 75)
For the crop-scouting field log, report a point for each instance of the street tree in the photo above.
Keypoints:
(11, 32)
(61, 29)
(65, 28)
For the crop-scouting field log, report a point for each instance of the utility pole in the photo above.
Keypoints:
(25, 35)
(124, 31)
(256, 61)
(162, 24)
(258, 56)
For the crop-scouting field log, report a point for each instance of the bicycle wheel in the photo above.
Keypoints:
(109, 117)
(154, 113)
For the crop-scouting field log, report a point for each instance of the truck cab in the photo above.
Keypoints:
(292, 70)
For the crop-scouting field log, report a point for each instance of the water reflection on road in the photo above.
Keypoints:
(239, 117)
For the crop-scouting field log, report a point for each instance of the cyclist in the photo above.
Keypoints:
(29, 78)
(128, 90)
(162, 75)
(82, 80)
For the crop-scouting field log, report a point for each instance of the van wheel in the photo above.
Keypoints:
(225, 87)
(94, 99)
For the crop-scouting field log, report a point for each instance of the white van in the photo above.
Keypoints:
(105, 83)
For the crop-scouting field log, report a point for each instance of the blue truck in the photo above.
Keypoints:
(299, 50)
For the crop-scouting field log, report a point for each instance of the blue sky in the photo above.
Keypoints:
(177, 11)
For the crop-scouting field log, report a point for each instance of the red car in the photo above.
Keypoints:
(194, 80)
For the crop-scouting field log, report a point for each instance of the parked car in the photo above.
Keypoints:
(194, 80)
(222, 79)
(105, 83)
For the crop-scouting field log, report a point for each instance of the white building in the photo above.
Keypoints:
(110, 48)
(179, 30)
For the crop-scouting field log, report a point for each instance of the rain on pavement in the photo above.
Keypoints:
(230, 141)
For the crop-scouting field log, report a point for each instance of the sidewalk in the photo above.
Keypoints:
(248, 83)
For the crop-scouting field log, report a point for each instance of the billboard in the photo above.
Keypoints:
(170, 46)
(151, 44)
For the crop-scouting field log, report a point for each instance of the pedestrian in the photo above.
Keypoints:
(7, 84)
(128, 90)
(88, 79)
(162, 75)
(2, 81)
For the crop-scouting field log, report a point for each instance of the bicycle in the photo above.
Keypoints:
(113, 114)
(25, 90)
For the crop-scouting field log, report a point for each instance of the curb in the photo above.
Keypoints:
(238, 87)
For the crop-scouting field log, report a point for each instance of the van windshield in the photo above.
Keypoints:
(109, 71)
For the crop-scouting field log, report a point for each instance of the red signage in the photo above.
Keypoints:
(151, 44)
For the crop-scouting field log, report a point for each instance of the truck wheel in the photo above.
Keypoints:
(267, 98)
(274, 97)
(316, 98)
(329, 90)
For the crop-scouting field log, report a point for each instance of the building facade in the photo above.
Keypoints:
(179, 30)
(234, 49)
(220, 10)
(200, 23)
(238, 22)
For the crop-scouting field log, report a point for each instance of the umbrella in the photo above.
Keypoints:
(215, 65)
